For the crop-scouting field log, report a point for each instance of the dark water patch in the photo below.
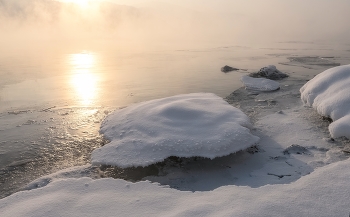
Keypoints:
(139, 173)
(130, 174)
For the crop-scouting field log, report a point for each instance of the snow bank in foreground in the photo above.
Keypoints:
(329, 94)
(109, 197)
(200, 124)
(259, 84)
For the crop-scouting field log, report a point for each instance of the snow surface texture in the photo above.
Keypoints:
(322, 193)
(329, 94)
(200, 124)
(259, 84)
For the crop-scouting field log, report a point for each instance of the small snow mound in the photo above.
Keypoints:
(259, 84)
(270, 72)
(329, 94)
(199, 124)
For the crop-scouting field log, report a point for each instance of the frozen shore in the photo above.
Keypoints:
(295, 169)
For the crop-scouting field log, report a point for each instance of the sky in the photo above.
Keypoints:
(226, 21)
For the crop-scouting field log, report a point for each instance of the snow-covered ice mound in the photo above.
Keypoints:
(199, 124)
(329, 94)
(259, 84)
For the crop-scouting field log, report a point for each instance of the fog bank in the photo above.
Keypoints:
(147, 22)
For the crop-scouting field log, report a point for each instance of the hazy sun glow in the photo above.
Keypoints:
(83, 77)
(82, 3)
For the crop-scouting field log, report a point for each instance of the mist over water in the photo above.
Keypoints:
(148, 23)
(40, 33)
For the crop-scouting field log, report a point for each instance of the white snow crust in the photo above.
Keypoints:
(322, 193)
(259, 84)
(329, 94)
(199, 124)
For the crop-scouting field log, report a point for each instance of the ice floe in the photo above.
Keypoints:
(311, 62)
(259, 84)
(199, 124)
(329, 94)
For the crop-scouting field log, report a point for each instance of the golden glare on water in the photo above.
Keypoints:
(84, 79)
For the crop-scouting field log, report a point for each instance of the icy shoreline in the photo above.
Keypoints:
(295, 150)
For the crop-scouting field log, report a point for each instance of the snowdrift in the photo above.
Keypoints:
(329, 94)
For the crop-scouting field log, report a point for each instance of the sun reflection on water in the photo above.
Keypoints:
(84, 78)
